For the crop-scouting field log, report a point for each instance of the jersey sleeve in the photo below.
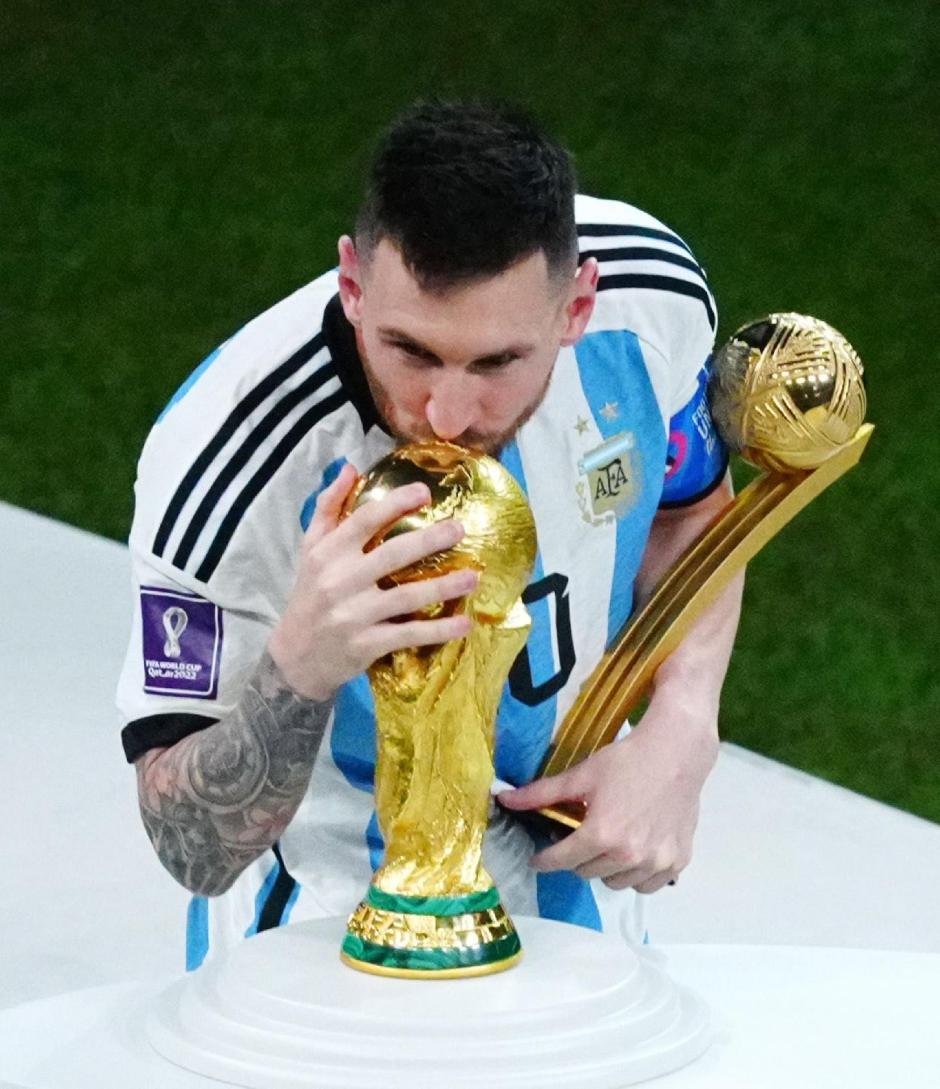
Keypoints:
(696, 457)
(650, 283)
(223, 482)
(187, 660)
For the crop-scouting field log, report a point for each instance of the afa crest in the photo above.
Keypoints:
(611, 481)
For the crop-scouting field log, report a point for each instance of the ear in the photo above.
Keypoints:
(581, 298)
(350, 280)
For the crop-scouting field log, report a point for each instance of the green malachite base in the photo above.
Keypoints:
(433, 937)
(431, 960)
(444, 906)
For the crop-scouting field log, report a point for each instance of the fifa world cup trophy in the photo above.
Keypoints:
(432, 909)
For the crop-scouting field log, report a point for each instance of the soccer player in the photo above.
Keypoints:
(479, 301)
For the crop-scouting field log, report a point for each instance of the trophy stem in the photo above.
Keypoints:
(432, 911)
(624, 674)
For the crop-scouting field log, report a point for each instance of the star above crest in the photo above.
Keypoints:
(610, 411)
(581, 426)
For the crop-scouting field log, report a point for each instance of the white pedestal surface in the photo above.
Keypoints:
(581, 1011)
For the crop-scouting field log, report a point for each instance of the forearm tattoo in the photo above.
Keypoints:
(216, 800)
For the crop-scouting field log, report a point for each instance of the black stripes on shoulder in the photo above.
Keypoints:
(277, 400)
(268, 468)
(662, 283)
(643, 253)
(696, 288)
(235, 419)
(609, 230)
(281, 408)
(160, 731)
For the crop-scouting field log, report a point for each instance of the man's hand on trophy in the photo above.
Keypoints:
(642, 797)
(338, 621)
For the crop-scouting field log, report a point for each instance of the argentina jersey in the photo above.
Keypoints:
(227, 484)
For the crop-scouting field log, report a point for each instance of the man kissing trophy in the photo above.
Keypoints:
(583, 1009)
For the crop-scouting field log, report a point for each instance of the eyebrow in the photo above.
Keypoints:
(513, 351)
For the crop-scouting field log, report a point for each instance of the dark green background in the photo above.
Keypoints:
(168, 170)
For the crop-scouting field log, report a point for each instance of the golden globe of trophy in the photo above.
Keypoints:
(432, 910)
(787, 394)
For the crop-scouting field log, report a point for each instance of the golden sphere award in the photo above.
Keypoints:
(432, 908)
(787, 394)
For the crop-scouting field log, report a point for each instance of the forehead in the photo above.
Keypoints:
(518, 301)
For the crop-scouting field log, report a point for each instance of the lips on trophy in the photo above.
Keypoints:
(432, 910)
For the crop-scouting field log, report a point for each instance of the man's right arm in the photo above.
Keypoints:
(215, 801)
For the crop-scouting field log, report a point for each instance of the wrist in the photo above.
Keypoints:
(295, 672)
(681, 722)
(689, 700)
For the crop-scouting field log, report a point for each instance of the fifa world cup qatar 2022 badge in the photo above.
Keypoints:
(182, 640)
(608, 475)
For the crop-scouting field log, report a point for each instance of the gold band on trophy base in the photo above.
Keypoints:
(788, 395)
(421, 937)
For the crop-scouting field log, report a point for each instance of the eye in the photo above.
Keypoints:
(415, 357)
(496, 365)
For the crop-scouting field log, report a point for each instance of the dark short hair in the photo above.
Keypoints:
(464, 190)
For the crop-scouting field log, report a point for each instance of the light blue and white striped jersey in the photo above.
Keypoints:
(227, 483)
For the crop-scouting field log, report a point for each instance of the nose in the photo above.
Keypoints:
(452, 406)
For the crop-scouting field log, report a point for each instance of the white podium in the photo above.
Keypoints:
(582, 1010)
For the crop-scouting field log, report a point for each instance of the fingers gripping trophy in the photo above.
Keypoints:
(432, 908)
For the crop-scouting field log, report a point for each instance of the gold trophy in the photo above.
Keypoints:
(787, 394)
(432, 910)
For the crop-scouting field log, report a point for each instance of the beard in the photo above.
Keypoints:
(490, 443)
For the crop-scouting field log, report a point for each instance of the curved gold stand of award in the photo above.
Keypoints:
(787, 394)
(582, 1010)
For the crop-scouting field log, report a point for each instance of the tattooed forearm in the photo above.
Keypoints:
(214, 801)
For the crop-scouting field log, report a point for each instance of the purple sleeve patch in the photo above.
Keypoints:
(182, 641)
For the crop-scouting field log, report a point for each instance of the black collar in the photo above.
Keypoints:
(340, 338)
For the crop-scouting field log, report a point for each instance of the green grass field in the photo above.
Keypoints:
(170, 170)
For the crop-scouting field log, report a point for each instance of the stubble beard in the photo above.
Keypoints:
(492, 443)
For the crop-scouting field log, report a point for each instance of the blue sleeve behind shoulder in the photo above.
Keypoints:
(696, 458)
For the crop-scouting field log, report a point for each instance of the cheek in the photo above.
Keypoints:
(510, 397)
(401, 385)
(409, 391)
(409, 394)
